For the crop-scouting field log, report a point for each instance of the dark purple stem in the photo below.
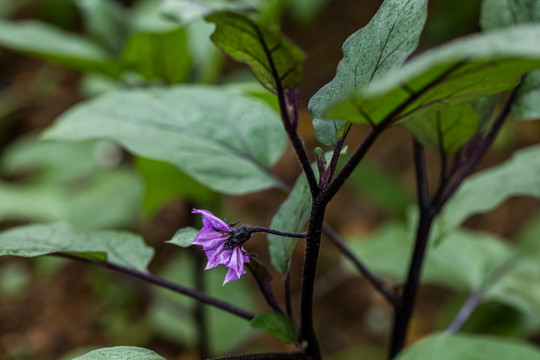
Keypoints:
(166, 284)
(403, 311)
(256, 229)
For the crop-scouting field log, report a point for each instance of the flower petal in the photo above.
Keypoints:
(211, 220)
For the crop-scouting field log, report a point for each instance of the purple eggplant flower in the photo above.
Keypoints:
(216, 239)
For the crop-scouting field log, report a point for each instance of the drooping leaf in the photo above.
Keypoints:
(276, 324)
(469, 347)
(225, 331)
(291, 216)
(489, 188)
(106, 22)
(185, 11)
(184, 237)
(274, 60)
(121, 353)
(50, 43)
(460, 71)
(498, 14)
(447, 130)
(368, 54)
(226, 141)
(118, 247)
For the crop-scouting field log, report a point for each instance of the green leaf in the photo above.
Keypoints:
(226, 141)
(121, 353)
(446, 131)
(507, 13)
(498, 14)
(276, 324)
(184, 237)
(225, 331)
(368, 54)
(488, 189)
(76, 182)
(185, 11)
(50, 43)
(458, 72)
(106, 22)
(291, 216)
(121, 248)
(159, 56)
(463, 261)
(165, 182)
(469, 347)
(274, 60)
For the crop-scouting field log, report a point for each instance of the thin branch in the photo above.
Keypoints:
(374, 280)
(255, 229)
(331, 169)
(403, 313)
(233, 309)
(290, 127)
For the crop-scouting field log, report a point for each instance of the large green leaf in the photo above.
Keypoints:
(291, 216)
(53, 44)
(469, 347)
(489, 188)
(446, 131)
(368, 54)
(461, 71)
(121, 353)
(118, 247)
(274, 60)
(226, 141)
(506, 13)
(225, 331)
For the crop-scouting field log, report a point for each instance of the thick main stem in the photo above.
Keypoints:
(313, 243)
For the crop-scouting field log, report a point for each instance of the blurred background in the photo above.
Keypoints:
(54, 309)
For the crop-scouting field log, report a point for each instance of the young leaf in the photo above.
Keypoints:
(274, 60)
(184, 237)
(368, 54)
(276, 324)
(50, 43)
(226, 141)
(446, 131)
(463, 70)
(505, 13)
(121, 353)
(489, 188)
(462, 347)
(116, 247)
(291, 216)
